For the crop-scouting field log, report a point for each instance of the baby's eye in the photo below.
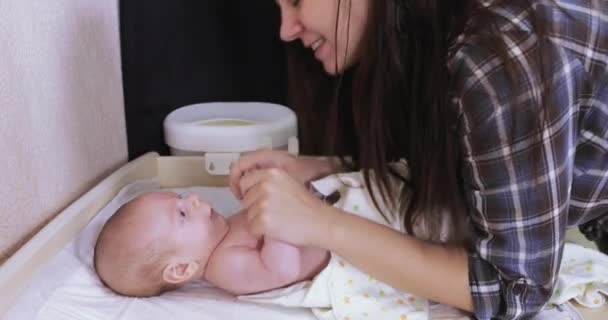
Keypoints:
(182, 213)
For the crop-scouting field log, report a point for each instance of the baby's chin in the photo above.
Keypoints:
(218, 221)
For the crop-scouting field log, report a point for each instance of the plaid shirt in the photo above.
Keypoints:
(526, 184)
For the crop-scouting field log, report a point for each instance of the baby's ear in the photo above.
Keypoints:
(180, 272)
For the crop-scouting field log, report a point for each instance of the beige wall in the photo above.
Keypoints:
(61, 108)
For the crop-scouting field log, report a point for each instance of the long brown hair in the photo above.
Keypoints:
(394, 104)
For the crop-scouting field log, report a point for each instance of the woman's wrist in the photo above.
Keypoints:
(328, 227)
(313, 168)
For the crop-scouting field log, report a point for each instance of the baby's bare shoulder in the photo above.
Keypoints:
(239, 235)
(229, 264)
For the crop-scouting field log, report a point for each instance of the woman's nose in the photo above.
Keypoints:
(291, 27)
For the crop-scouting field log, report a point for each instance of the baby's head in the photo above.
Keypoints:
(156, 242)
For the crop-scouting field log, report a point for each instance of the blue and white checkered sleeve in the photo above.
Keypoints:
(517, 181)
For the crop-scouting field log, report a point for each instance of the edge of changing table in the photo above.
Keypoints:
(172, 172)
(16, 272)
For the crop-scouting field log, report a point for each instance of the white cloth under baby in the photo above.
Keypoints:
(341, 291)
(583, 276)
(67, 288)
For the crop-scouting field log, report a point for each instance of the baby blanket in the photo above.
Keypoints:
(583, 276)
(341, 291)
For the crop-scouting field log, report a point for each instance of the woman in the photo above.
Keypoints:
(500, 109)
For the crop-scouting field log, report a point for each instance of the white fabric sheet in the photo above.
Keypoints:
(66, 287)
(583, 277)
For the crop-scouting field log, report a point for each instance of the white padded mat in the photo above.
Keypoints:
(67, 288)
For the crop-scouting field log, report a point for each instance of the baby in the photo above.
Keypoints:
(161, 241)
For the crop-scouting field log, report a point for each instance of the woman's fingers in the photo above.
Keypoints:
(237, 169)
(248, 162)
(255, 213)
(274, 202)
(253, 196)
(250, 180)
(254, 225)
(260, 199)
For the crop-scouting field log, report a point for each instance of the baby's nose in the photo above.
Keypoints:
(194, 200)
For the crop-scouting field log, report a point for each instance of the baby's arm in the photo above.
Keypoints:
(282, 259)
(248, 270)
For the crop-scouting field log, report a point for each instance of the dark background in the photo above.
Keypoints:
(179, 52)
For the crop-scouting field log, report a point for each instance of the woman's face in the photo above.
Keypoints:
(314, 23)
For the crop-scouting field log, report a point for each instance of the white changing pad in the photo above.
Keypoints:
(67, 287)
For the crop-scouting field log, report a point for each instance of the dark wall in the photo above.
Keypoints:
(179, 52)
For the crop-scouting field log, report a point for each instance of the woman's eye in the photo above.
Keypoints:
(295, 3)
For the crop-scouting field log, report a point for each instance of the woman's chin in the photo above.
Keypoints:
(330, 68)
(331, 72)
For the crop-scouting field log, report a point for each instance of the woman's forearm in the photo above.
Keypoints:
(312, 167)
(434, 271)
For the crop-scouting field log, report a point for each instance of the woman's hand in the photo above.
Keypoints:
(281, 208)
(302, 169)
